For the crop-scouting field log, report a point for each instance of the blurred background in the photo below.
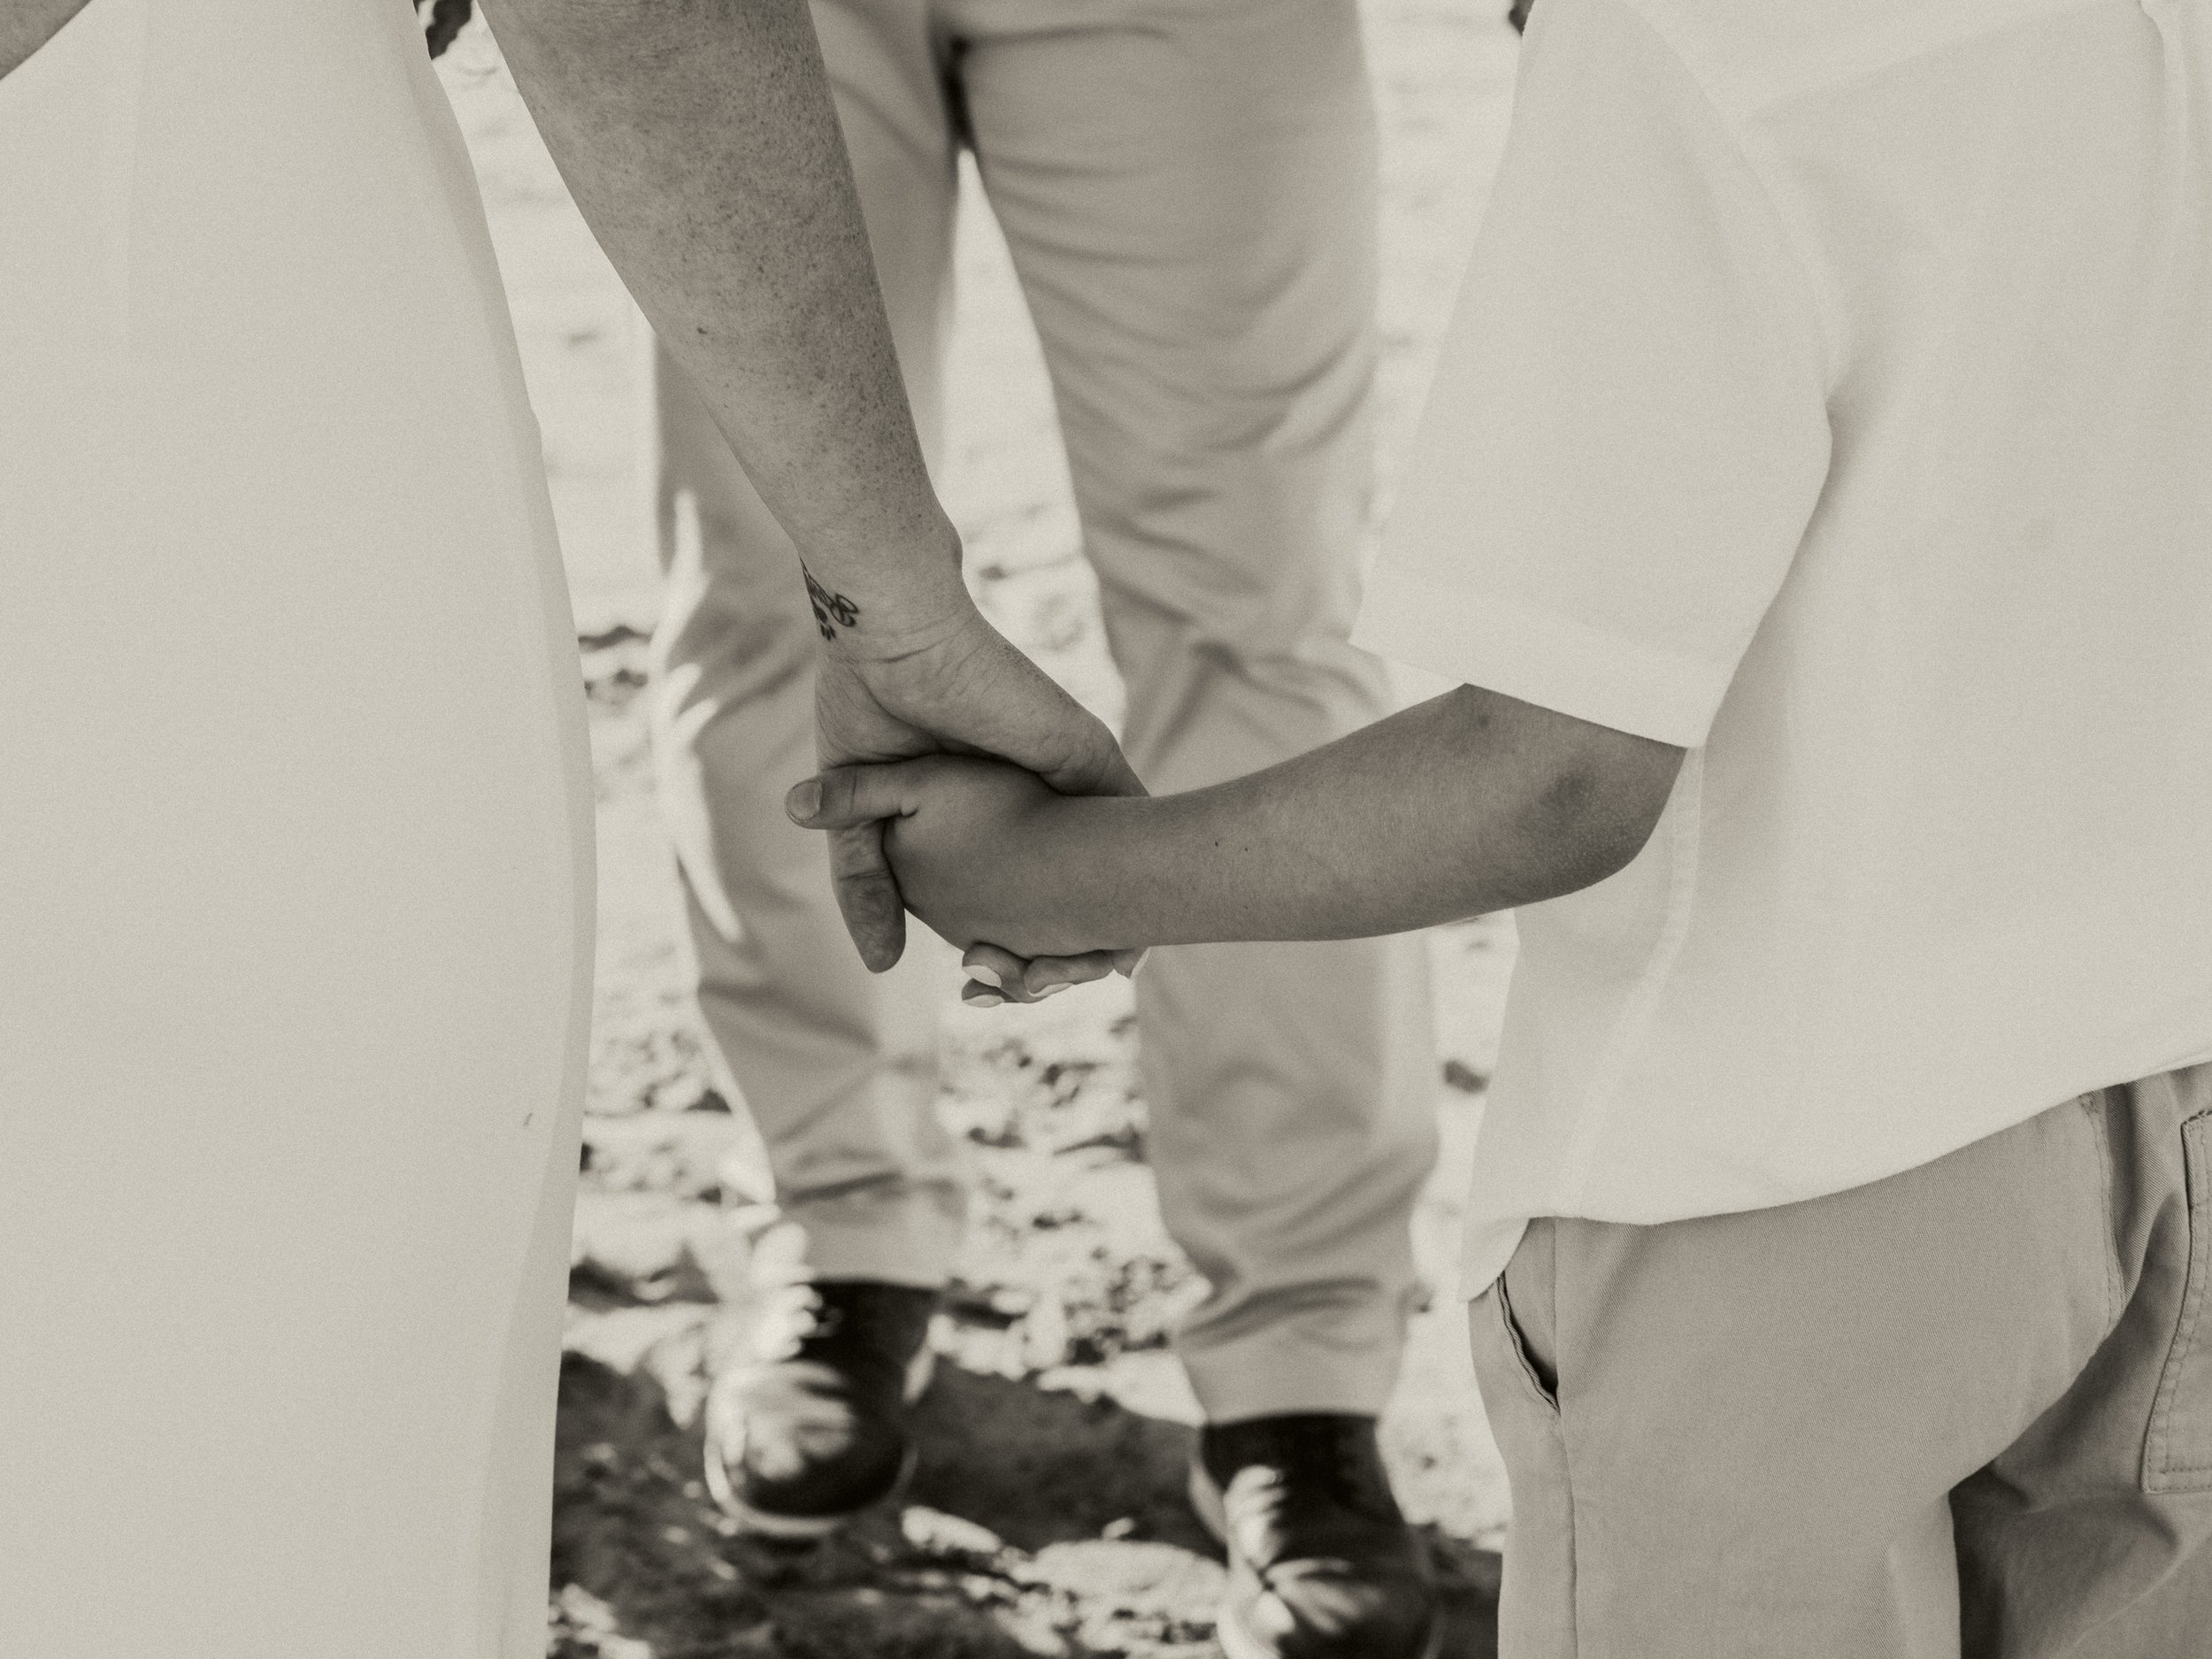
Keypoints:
(1048, 1516)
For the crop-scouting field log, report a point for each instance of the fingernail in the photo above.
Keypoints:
(1054, 989)
(805, 801)
(981, 999)
(989, 975)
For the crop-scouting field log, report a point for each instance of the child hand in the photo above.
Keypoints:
(971, 843)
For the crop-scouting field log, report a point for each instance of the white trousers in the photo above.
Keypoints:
(1189, 195)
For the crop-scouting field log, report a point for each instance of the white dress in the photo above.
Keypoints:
(295, 859)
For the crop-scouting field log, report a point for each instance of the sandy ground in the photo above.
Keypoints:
(1047, 1514)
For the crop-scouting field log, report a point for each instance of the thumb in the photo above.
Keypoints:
(1091, 762)
(1113, 775)
(846, 797)
(1038, 726)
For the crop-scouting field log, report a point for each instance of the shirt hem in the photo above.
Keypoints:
(1544, 657)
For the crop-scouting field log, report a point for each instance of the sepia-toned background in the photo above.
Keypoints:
(1048, 1516)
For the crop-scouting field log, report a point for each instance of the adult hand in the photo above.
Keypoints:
(968, 691)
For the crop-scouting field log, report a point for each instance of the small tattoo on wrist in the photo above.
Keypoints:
(832, 610)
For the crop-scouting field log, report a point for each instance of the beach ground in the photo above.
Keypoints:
(1047, 1514)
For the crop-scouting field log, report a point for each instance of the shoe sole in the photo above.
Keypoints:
(807, 1529)
(1207, 1504)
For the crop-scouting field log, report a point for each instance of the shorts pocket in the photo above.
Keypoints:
(2177, 1454)
(1517, 1346)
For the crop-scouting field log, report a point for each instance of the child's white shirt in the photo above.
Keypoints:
(1830, 394)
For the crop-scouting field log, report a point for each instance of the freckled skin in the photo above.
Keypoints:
(699, 140)
(1483, 802)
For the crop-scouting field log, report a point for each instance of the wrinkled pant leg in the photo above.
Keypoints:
(1739, 1436)
(2091, 1533)
(1190, 196)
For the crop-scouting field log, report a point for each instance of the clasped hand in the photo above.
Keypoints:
(967, 691)
(978, 848)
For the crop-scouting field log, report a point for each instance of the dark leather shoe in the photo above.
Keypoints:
(808, 1426)
(1322, 1564)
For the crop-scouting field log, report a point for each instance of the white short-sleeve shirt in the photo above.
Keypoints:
(1831, 394)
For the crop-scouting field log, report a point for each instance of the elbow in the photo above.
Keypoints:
(1595, 813)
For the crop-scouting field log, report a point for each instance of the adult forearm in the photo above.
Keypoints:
(701, 145)
(1470, 802)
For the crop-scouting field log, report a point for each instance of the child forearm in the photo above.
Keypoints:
(1470, 802)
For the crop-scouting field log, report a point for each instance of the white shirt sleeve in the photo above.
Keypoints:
(1628, 429)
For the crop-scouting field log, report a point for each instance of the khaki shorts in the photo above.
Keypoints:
(1965, 1410)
